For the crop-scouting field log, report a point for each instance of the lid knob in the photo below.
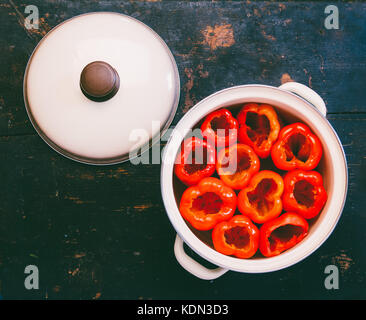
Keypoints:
(99, 81)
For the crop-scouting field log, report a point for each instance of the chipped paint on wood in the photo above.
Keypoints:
(310, 78)
(286, 78)
(191, 75)
(265, 35)
(343, 261)
(79, 255)
(188, 100)
(218, 36)
(142, 207)
(77, 200)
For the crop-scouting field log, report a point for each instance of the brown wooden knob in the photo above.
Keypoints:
(99, 81)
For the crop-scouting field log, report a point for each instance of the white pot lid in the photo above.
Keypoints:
(101, 86)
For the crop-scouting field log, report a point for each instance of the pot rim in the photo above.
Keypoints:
(289, 257)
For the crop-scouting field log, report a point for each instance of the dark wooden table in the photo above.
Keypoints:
(102, 232)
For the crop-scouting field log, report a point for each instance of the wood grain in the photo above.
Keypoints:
(102, 232)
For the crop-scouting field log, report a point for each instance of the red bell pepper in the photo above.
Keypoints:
(296, 148)
(236, 165)
(220, 128)
(304, 193)
(238, 237)
(207, 203)
(261, 199)
(258, 127)
(195, 161)
(282, 233)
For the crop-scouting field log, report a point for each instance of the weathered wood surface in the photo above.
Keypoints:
(102, 232)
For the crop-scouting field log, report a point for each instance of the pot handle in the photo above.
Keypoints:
(306, 93)
(193, 266)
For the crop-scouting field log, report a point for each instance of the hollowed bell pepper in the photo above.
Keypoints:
(304, 193)
(261, 199)
(236, 165)
(238, 237)
(207, 203)
(220, 128)
(195, 161)
(296, 148)
(282, 233)
(258, 127)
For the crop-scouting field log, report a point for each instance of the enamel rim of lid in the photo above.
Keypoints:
(123, 157)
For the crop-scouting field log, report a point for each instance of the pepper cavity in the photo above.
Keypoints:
(304, 193)
(209, 203)
(282, 233)
(236, 165)
(237, 236)
(258, 127)
(259, 196)
(280, 237)
(220, 128)
(197, 160)
(297, 147)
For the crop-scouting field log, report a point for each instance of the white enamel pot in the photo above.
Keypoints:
(293, 101)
